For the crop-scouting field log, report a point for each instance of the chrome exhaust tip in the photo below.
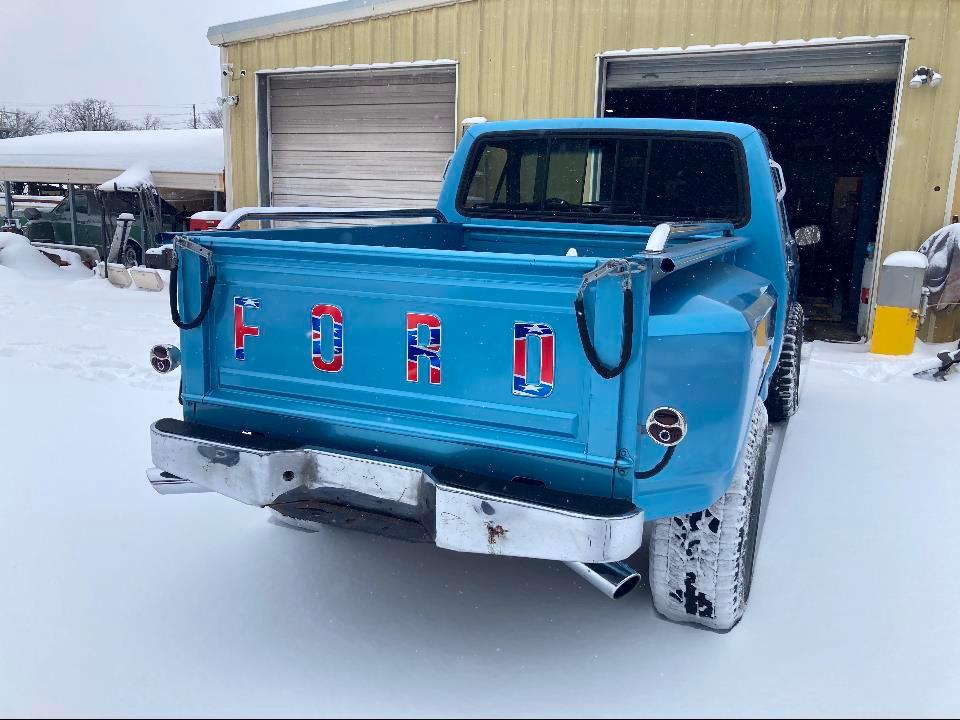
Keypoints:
(614, 579)
(168, 484)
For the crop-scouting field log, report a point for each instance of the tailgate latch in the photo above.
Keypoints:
(207, 256)
(205, 253)
(615, 267)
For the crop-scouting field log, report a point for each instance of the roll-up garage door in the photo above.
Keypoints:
(370, 138)
(812, 64)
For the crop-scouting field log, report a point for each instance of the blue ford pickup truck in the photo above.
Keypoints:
(587, 333)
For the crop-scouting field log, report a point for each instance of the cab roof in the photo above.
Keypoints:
(739, 130)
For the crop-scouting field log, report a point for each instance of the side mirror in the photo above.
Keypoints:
(31, 213)
(807, 235)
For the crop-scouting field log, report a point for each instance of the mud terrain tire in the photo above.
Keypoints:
(784, 393)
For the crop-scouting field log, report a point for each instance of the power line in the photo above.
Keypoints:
(186, 114)
(168, 115)
(116, 105)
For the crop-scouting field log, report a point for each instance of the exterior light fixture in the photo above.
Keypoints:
(924, 75)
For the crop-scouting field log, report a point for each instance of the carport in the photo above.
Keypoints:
(185, 164)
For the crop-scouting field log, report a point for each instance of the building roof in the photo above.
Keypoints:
(186, 159)
(311, 18)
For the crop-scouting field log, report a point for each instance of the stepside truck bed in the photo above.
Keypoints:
(431, 381)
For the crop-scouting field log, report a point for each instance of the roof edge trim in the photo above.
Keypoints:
(313, 18)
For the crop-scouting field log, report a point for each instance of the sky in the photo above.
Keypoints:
(141, 56)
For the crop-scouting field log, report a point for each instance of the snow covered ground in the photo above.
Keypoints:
(115, 600)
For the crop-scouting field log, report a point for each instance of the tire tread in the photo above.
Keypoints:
(701, 563)
(783, 395)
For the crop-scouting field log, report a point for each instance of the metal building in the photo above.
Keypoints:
(360, 102)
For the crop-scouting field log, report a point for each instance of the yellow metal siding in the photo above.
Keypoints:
(537, 58)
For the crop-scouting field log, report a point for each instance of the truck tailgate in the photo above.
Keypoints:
(434, 356)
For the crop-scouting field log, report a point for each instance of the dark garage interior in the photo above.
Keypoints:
(831, 140)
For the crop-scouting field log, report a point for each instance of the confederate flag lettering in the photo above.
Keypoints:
(521, 331)
(415, 350)
(240, 330)
(335, 364)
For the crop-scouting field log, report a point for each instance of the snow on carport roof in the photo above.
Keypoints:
(188, 159)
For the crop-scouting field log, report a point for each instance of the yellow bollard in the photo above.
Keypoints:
(898, 303)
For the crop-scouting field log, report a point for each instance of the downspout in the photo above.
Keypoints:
(227, 154)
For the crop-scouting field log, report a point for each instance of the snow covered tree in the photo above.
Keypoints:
(212, 118)
(88, 114)
(150, 122)
(19, 123)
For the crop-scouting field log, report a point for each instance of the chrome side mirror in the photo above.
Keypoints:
(807, 235)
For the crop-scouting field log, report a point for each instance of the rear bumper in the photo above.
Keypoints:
(457, 511)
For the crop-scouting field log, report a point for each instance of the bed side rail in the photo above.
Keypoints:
(664, 232)
(691, 253)
(235, 217)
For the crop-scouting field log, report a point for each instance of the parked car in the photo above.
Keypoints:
(54, 225)
(591, 334)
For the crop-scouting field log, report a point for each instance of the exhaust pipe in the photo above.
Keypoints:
(614, 579)
(167, 484)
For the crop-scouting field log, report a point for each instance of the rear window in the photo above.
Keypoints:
(643, 179)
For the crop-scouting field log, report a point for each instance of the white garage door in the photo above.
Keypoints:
(370, 138)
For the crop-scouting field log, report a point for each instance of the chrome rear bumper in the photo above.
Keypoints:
(456, 511)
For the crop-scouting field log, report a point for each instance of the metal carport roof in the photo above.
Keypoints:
(183, 159)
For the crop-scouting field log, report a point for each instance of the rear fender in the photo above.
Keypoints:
(709, 344)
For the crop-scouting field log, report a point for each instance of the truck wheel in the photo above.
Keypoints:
(783, 395)
(132, 254)
(701, 564)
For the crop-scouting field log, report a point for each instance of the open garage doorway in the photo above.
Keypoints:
(827, 113)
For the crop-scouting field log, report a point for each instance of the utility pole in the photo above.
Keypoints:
(8, 200)
(194, 116)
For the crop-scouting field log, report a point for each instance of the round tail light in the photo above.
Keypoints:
(666, 426)
(164, 358)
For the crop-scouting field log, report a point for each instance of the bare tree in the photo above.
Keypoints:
(212, 118)
(19, 123)
(89, 114)
(150, 122)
